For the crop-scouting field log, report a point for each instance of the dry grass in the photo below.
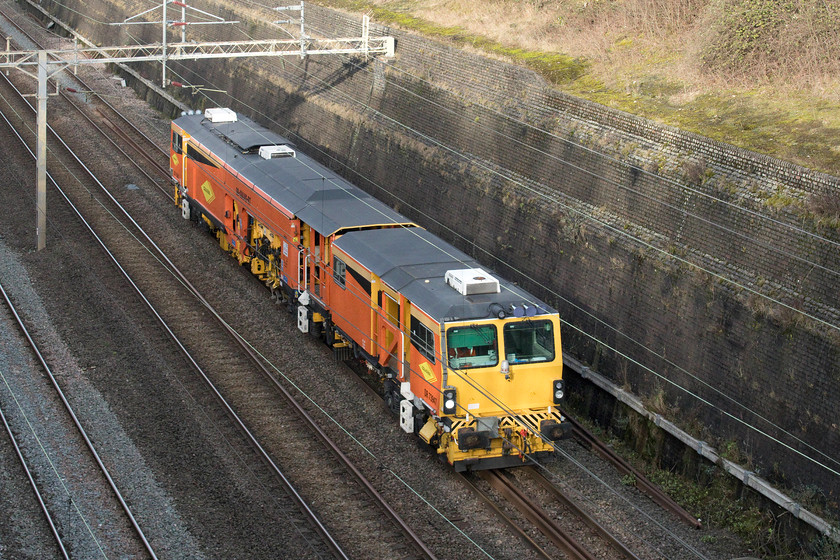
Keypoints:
(762, 74)
(791, 41)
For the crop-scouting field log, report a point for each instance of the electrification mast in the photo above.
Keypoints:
(42, 64)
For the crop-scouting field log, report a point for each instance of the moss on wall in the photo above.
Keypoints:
(655, 245)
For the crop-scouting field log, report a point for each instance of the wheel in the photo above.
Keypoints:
(329, 334)
(392, 396)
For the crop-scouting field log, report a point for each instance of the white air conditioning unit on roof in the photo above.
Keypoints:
(271, 152)
(220, 115)
(472, 281)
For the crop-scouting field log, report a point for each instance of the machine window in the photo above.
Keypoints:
(423, 339)
(177, 140)
(339, 271)
(472, 346)
(529, 341)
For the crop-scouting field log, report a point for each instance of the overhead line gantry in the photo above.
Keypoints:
(43, 64)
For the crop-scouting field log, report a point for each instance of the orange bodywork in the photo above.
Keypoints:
(238, 209)
(376, 317)
(498, 402)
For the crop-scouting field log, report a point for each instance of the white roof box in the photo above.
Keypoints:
(270, 152)
(472, 281)
(220, 115)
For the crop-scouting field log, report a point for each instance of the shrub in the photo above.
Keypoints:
(825, 208)
(772, 37)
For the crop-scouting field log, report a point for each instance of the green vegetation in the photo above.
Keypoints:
(760, 74)
(557, 68)
(716, 505)
(760, 36)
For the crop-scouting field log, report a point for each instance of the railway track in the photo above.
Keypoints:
(588, 439)
(58, 520)
(111, 123)
(239, 386)
(213, 346)
(582, 539)
(30, 476)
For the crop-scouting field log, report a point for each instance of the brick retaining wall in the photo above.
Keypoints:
(640, 234)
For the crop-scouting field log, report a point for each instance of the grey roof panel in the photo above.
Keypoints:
(410, 260)
(246, 134)
(414, 262)
(304, 187)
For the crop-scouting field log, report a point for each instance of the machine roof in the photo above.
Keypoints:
(414, 262)
(304, 187)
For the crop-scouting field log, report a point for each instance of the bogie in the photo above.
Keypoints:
(469, 363)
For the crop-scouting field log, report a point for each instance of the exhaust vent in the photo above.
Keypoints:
(472, 281)
(271, 152)
(220, 115)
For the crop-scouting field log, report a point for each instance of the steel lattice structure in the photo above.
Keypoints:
(42, 64)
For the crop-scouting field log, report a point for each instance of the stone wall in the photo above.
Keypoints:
(699, 275)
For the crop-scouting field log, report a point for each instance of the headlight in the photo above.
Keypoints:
(450, 403)
(559, 388)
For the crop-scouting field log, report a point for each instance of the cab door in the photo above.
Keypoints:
(390, 339)
(176, 161)
(227, 239)
(242, 230)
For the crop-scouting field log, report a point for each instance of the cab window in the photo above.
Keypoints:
(472, 346)
(176, 142)
(529, 341)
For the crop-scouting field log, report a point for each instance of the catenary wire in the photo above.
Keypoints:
(715, 407)
(703, 382)
(369, 108)
(606, 156)
(64, 240)
(603, 155)
(603, 223)
(502, 406)
(404, 483)
(734, 401)
(491, 398)
(618, 184)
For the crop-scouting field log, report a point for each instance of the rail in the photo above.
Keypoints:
(416, 541)
(117, 494)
